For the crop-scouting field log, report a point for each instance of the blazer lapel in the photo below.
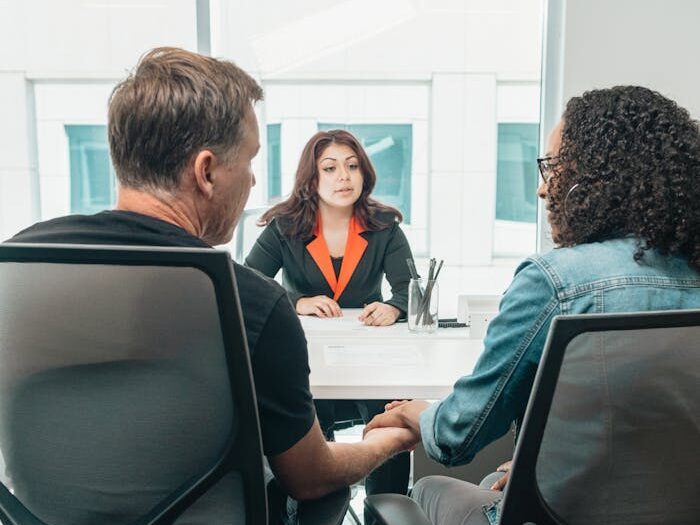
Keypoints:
(354, 250)
(318, 249)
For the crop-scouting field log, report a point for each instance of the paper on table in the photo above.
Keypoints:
(331, 324)
(372, 355)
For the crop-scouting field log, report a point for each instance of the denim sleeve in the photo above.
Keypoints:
(483, 405)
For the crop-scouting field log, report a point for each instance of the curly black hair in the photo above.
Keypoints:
(635, 156)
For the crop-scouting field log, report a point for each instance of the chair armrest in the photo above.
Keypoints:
(328, 510)
(395, 509)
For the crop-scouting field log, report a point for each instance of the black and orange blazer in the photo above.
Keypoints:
(308, 270)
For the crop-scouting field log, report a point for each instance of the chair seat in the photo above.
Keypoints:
(395, 509)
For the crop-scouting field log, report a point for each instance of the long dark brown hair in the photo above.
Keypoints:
(298, 213)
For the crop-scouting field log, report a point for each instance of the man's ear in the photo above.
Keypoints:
(203, 167)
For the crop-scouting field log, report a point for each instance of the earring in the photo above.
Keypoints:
(566, 199)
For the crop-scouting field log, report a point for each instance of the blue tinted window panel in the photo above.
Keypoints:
(92, 179)
(274, 162)
(516, 176)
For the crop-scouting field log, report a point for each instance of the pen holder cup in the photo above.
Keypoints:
(422, 305)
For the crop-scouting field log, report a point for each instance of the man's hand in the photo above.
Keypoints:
(320, 305)
(379, 314)
(501, 483)
(395, 439)
(402, 414)
(393, 404)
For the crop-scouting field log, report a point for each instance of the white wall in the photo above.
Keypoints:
(19, 200)
(58, 63)
(604, 43)
(652, 43)
(379, 39)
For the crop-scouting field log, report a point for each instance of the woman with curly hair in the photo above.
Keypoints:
(621, 183)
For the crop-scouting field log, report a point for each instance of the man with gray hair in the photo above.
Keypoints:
(182, 135)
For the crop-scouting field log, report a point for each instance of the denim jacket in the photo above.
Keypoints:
(590, 278)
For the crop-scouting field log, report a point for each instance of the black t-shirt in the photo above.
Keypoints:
(276, 340)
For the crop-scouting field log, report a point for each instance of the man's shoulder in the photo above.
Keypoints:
(109, 227)
(260, 296)
(40, 230)
(252, 281)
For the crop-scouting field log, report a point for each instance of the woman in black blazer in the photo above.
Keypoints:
(334, 243)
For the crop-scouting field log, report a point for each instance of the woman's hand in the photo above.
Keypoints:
(404, 414)
(501, 483)
(321, 305)
(394, 404)
(379, 314)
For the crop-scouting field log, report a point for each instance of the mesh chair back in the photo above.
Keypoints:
(116, 399)
(620, 442)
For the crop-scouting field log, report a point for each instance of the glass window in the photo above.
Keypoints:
(389, 146)
(274, 162)
(92, 180)
(516, 175)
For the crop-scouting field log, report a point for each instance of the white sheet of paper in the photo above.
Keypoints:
(331, 324)
(372, 355)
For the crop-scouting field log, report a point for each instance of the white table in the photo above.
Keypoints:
(351, 361)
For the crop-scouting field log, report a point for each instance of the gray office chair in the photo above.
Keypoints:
(126, 393)
(612, 428)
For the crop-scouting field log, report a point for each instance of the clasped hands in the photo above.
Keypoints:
(400, 420)
(405, 415)
(373, 314)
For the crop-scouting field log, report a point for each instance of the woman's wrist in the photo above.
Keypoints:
(396, 311)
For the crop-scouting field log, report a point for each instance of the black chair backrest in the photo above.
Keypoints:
(612, 428)
(126, 393)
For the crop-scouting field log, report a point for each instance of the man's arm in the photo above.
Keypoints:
(304, 463)
(313, 467)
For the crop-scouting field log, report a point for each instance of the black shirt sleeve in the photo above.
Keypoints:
(396, 269)
(280, 365)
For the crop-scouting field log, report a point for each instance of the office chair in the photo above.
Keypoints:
(126, 393)
(612, 429)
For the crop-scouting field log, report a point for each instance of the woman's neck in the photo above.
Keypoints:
(335, 217)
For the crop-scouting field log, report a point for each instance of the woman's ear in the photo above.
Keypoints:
(203, 168)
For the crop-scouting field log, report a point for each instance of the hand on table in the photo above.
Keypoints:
(501, 483)
(320, 305)
(379, 314)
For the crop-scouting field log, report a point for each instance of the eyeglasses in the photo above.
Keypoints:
(546, 166)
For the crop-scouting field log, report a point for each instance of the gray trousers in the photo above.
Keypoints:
(449, 501)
